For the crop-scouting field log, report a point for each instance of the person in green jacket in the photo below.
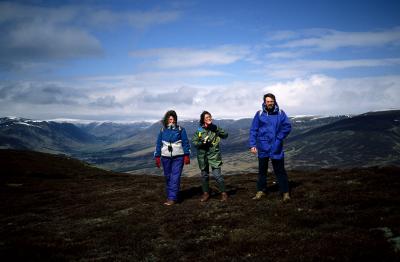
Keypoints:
(206, 139)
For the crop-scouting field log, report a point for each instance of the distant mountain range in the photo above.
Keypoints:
(43, 136)
(368, 139)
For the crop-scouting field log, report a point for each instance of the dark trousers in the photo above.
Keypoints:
(172, 172)
(279, 170)
(205, 177)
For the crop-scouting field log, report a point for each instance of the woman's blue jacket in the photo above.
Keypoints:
(172, 141)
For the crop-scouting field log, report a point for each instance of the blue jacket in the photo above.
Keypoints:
(172, 142)
(268, 131)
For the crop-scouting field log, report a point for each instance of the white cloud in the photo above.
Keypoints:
(319, 94)
(332, 39)
(186, 57)
(136, 19)
(34, 33)
(84, 15)
(13, 12)
(298, 68)
(146, 19)
(282, 35)
(179, 74)
(45, 41)
(302, 53)
(129, 99)
(36, 93)
(286, 54)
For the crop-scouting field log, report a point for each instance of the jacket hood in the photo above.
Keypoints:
(171, 126)
(276, 107)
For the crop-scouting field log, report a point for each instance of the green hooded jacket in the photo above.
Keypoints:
(207, 140)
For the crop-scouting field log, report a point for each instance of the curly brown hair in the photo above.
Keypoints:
(202, 116)
(167, 115)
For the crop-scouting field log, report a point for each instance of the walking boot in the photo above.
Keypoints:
(169, 202)
(205, 197)
(286, 197)
(224, 196)
(259, 195)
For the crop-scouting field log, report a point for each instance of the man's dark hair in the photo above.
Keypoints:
(270, 96)
(202, 116)
(167, 115)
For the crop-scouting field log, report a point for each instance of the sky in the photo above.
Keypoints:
(134, 60)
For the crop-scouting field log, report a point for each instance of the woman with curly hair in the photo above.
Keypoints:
(173, 151)
(207, 139)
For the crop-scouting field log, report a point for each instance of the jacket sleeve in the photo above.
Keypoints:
(222, 133)
(254, 131)
(285, 127)
(196, 140)
(185, 142)
(157, 153)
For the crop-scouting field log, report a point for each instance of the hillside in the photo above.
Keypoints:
(23, 164)
(371, 139)
(136, 152)
(86, 214)
(112, 132)
(43, 136)
(364, 140)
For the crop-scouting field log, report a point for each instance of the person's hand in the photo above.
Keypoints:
(158, 161)
(186, 159)
(212, 128)
(205, 140)
(253, 150)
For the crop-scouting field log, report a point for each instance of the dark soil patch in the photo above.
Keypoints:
(58, 209)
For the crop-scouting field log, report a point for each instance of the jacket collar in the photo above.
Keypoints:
(276, 108)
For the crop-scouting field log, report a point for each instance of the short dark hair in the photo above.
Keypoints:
(270, 96)
(202, 116)
(167, 115)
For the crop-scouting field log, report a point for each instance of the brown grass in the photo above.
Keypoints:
(55, 209)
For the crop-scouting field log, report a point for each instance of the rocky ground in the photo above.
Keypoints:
(57, 209)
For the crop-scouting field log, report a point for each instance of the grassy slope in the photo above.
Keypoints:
(55, 208)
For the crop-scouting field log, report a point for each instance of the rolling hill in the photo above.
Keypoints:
(136, 152)
(43, 136)
(55, 208)
(364, 140)
(370, 139)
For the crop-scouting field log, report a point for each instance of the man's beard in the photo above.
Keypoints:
(270, 108)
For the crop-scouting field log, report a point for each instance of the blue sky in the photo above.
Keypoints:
(133, 60)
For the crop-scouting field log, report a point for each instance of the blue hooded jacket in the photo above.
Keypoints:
(267, 132)
(174, 137)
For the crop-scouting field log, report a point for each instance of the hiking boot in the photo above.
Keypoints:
(286, 197)
(169, 202)
(224, 196)
(259, 195)
(205, 197)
